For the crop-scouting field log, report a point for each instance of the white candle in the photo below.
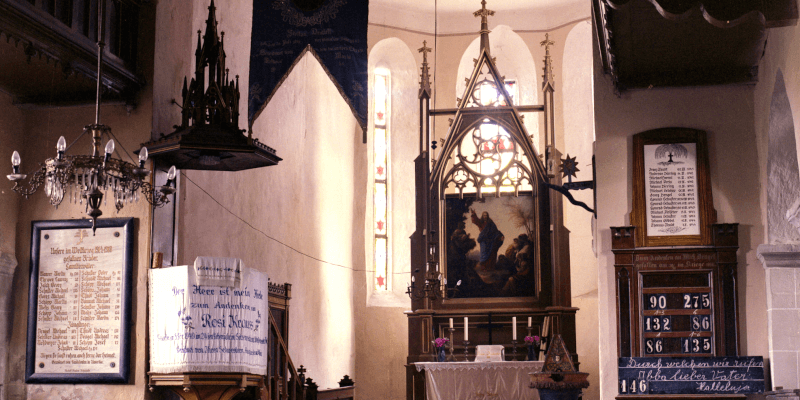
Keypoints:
(451, 323)
(529, 321)
(466, 330)
(514, 325)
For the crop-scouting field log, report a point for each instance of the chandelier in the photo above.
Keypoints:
(92, 179)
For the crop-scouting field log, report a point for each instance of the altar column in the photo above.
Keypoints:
(782, 265)
(8, 263)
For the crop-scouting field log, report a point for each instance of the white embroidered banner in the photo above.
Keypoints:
(197, 328)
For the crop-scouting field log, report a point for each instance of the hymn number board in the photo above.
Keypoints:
(676, 302)
(677, 320)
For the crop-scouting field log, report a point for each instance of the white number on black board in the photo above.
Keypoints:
(657, 301)
(653, 346)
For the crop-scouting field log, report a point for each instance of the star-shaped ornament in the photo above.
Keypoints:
(569, 167)
(380, 281)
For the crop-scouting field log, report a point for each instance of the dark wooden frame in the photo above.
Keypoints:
(543, 276)
(126, 316)
(723, 276)
(706, 213)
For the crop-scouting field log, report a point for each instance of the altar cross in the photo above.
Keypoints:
(489, 326)
(424, 50)
(425, 82)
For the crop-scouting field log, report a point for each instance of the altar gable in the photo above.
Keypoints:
(334, 31)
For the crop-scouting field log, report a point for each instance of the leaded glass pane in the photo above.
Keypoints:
(485, 157)
(380, 208)
(381, 91)
(380, 264)
(380, 154)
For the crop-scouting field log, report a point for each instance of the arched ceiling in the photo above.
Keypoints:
(455, 16)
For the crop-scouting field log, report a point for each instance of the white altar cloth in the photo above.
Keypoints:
(504, 380)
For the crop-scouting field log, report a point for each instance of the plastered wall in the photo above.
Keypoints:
(297, 221)
(35, 133)
(11, 129)
(44, 127)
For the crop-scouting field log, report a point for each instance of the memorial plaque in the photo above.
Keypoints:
(672, 202)
(670, 182)
(80, 301)
(667, 375)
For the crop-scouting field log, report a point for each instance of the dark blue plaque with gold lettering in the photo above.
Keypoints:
(691, 375)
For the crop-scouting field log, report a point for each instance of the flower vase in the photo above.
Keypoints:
(440, 355)
(533, 352)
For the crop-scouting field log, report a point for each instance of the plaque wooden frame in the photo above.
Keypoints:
(122, 374)
(675, 265)
(706, 213)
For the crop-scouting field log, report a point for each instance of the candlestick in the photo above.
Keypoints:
(514, 351)
(466, 329)
(451, 357)
(466, 350)
(514, 328)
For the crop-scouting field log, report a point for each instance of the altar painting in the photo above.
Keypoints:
(490, 246)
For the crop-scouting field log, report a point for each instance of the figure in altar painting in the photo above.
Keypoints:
(490, 240)
(479, 253)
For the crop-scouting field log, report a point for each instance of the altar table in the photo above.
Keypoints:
(499, 380)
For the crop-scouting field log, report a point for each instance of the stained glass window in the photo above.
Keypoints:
(381, 173)
(488, 158)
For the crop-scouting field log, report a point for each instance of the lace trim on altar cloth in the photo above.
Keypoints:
(535, 366)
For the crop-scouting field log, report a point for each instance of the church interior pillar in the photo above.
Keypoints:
(782, 265)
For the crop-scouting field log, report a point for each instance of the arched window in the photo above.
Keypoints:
(392, 143)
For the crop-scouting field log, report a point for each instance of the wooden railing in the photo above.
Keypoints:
(283, 387)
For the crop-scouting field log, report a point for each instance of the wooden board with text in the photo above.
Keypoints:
(80, 302)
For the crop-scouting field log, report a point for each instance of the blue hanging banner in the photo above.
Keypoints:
(334, 31)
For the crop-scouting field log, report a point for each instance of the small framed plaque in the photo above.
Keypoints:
(79, 306)
(672, 201)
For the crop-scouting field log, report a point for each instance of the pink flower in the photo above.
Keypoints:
(439, 342)
(532, 340)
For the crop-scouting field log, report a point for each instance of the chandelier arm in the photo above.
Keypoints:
(119, 143)
(76, 139)
(154, 197)
(36, 180)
